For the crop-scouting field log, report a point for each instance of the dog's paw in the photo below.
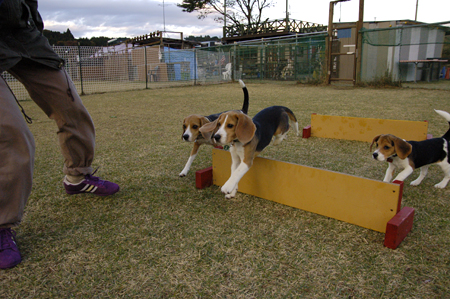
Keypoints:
(415, 183)
(184, 172)
(229, 196)
(440, 185)
(232, 194)
(229, 188)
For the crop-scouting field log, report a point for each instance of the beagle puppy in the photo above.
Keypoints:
(192, 124)
(409, 155)
(248, 137)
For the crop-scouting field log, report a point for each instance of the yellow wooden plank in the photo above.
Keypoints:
(360, 201)
(365, 129)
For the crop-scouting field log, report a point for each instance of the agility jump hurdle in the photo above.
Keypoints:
(367, 203)
(363, 129)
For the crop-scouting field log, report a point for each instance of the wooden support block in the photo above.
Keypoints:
(398, 227)
(307, 131)
(204, 178)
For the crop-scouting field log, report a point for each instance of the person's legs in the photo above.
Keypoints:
(16, 172)
(54, 92)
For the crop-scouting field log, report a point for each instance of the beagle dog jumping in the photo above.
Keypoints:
(248, 137)
(192, 124)
(409, 155)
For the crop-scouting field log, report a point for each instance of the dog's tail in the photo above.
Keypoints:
(293, 119)
(244, 89)
(445, 115)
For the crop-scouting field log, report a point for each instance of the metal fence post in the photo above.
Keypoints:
(195, 66)
(81, 68)
(234, 58)
(145, 67)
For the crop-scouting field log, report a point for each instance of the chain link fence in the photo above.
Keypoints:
(386, 52)
(291, 58)
(107, 69)
(123, 67)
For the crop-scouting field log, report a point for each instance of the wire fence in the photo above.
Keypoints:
(107, 69)
(293, 58)
(385, 52)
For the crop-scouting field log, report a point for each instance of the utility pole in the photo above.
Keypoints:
(225, 13)
(224, 18)
(164, 15)
(287, 16)
(417, 6)
(287, 10)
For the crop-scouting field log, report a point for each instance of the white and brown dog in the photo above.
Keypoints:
(409, 155)
(248, 137)
(192, 124)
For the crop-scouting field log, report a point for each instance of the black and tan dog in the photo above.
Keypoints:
(248, 137)
(409, 155)
(192, 124)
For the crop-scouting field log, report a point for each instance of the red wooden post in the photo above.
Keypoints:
(307, 132)
(398, 227)
(400, 195)
(204, 178)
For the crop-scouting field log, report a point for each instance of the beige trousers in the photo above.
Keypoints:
(54, 92)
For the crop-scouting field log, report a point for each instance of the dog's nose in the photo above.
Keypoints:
(375, 155)
(217, 137)
(186, 137)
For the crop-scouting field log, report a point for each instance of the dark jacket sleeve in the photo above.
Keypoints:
(21, 35)
(33, 5)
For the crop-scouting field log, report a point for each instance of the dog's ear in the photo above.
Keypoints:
(402, 148)
(245, 128)
(208, 129)
(203, 121)
(374, 140)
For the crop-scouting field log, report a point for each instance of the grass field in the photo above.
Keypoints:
(160, 237)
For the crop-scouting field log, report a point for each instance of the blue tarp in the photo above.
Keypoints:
(174, 59)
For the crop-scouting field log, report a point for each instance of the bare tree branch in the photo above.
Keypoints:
(238, 11)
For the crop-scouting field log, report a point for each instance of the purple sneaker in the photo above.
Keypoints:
(9, 253)
(91, 184)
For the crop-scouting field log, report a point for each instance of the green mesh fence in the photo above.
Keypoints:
(295, 58)
(405, 52)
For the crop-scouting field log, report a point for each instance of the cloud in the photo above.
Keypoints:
(130, 18)
(122, 18)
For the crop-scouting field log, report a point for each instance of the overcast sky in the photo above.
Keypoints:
(130, 18)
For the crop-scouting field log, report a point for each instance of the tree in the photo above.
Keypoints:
(201, 38)
(100, 41)
(237, 11)
(59, 38)
(56, 38)
(446, 50)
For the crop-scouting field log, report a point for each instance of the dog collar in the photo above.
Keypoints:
(391, 158)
